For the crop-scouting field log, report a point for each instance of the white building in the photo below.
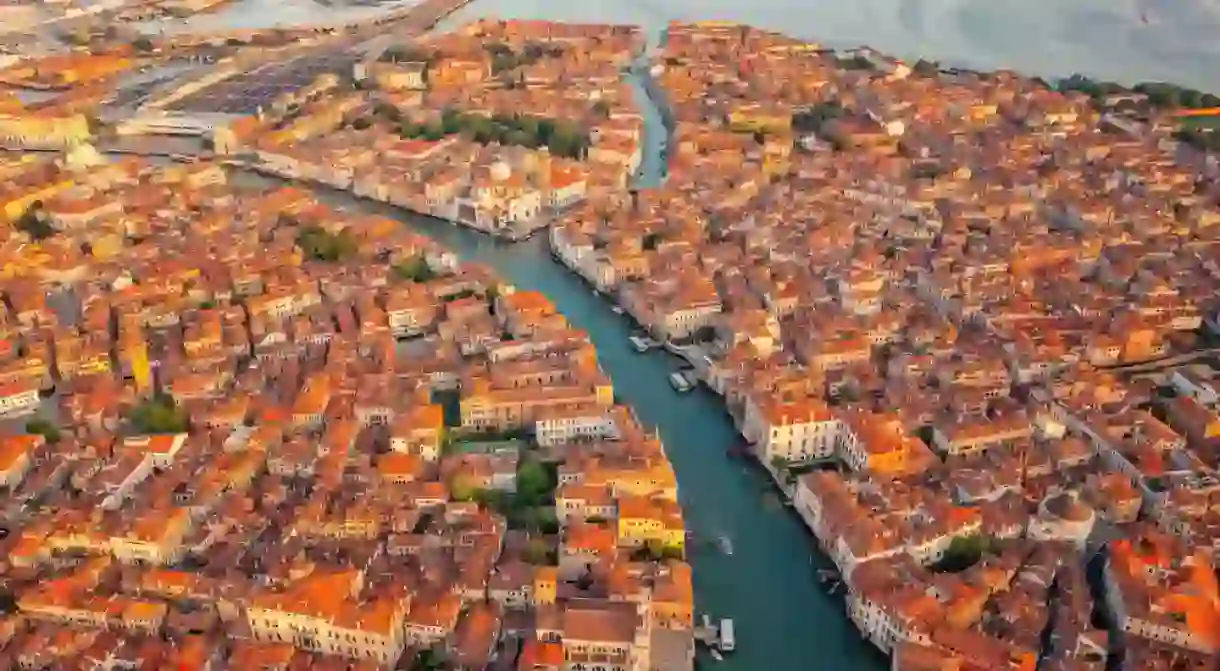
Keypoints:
(795, 431)
(582, 423)
(18, 398)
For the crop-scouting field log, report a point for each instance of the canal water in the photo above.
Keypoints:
(784, 619)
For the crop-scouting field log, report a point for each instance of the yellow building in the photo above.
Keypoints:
(43, 132)
(643, 521)
(17, 204)
(546, 581)
(654, 478)
(754, 118)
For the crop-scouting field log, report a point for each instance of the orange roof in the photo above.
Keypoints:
(540, 654)
(396, 465)
(13, 448)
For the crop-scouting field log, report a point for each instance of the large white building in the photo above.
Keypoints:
(793, 430)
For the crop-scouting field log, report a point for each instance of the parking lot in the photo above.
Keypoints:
(247, 92)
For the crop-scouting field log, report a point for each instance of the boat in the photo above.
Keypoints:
(617, 310)
(716, 655)
(728, 643)
(679, 382)
(725, 545)
(641, 345)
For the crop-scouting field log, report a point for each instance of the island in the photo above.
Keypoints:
(316, 352)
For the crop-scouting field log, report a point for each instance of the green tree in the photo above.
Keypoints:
(410, 131)
(43, 427)
(463, 488)
(537, 552)
(35, 226)
(429, 659)
(159, 415)
(415, 269)
(534, 485)
(451, 121)
(434, 131)
(321, 245)
(387, 111)
(963, 552)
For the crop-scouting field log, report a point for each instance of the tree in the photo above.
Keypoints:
(143, 44)
(537, 552)
(566, 142)
(44, 428)
(410, 131)
(963, 552)
(451, 121)
(387, 111)
(779, 463)
(534, 485)
(428, 660)
(322, 245)
(462, 488)
(415, 269)
(159, 415)
(36, 227)
(434, 131)
(361, 123)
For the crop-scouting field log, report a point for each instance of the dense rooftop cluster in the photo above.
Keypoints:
(498, 126)
(221, 451)
(946, 282)
(985, 303)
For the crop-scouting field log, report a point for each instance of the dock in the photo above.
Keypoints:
(642, 344)
(680, 383)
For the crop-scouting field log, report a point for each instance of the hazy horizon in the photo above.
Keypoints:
(1122, 40)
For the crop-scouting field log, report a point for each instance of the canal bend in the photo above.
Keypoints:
(784, 619)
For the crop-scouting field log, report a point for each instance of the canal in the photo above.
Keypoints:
(783, 617)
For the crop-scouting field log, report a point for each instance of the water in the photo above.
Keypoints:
(1104, 38)
(768, 586)
(258, 14)
(784, 619)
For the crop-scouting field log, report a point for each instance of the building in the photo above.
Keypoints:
(323, 613)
